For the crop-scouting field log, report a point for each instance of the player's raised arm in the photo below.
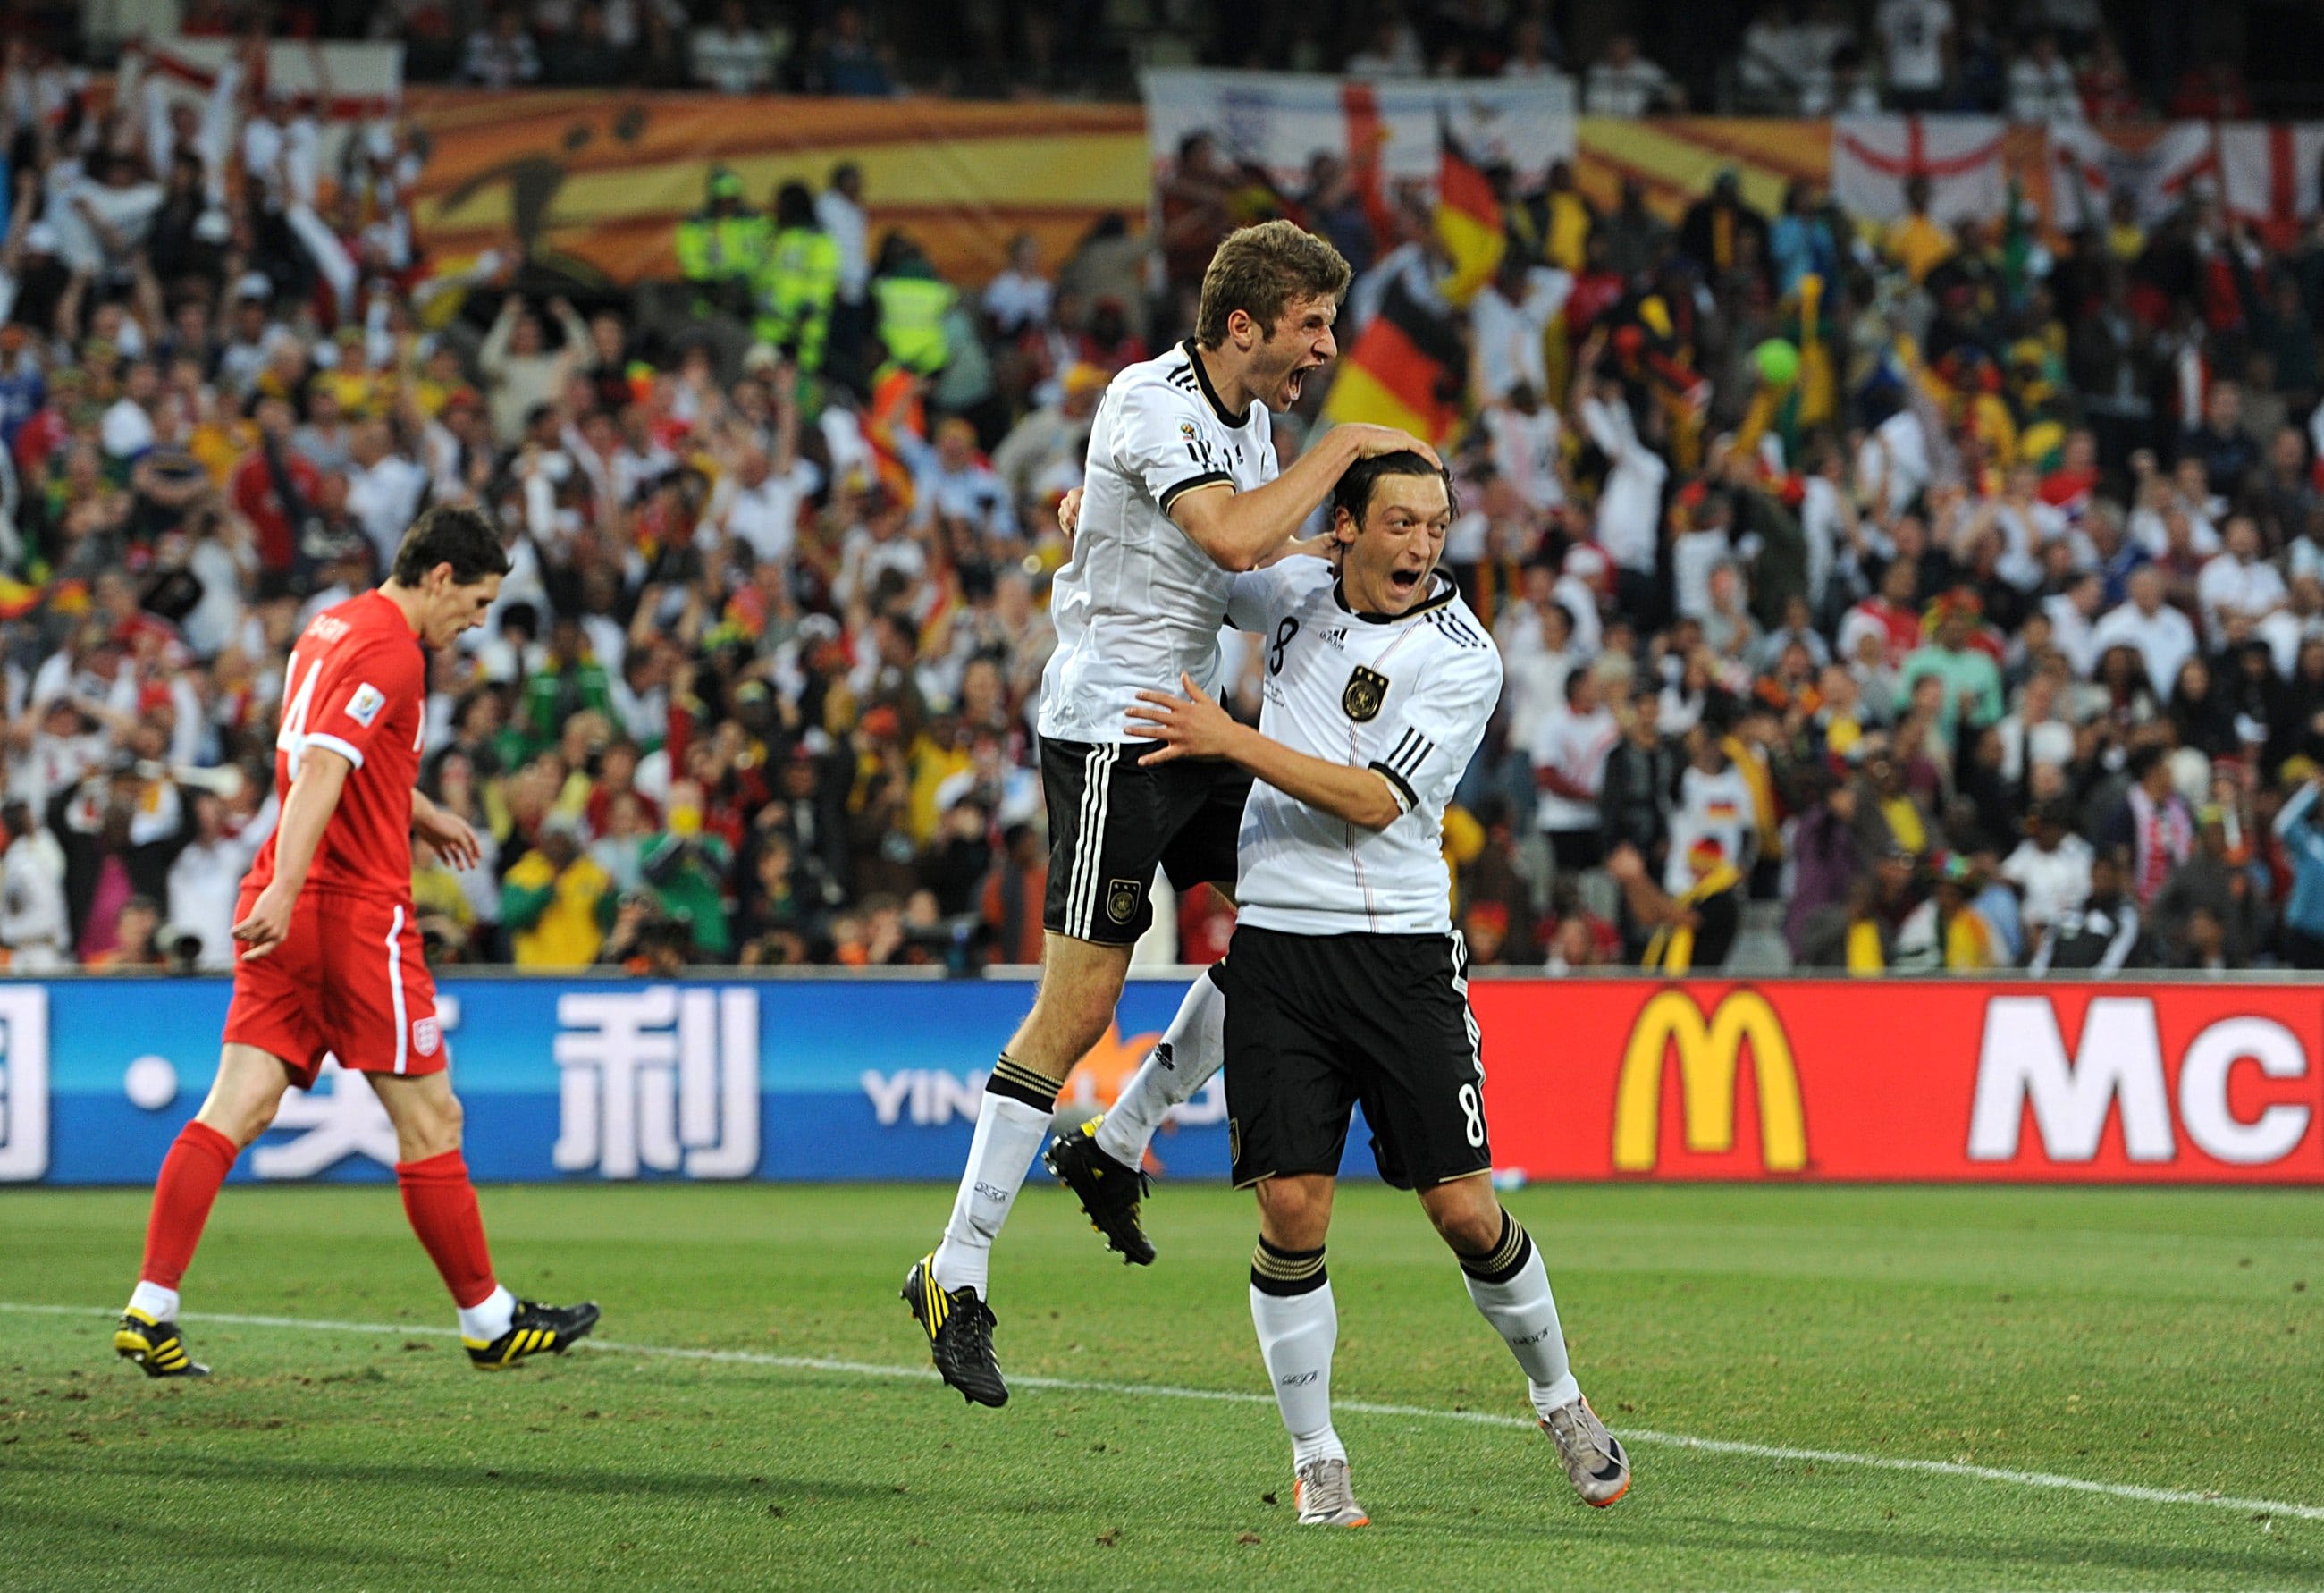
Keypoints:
(1194, 726)
(1241, 530)
(314, 797)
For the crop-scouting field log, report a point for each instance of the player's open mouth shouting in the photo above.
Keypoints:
(1305, 330)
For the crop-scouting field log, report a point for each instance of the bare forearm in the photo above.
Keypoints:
(314, 797)
(1358, 795)
(1240, 530)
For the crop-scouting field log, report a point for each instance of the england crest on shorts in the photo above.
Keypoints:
(1367, 691)
(426, 1035)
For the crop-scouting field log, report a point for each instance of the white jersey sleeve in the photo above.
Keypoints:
(1256, 598)
(1157, 441)
(1438, 728)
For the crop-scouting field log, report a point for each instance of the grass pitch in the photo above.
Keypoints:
(2168, 1341)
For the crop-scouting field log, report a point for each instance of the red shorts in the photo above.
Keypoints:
(348, 979)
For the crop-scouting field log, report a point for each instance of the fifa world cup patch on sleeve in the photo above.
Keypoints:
(364, 705)
(1367, 691)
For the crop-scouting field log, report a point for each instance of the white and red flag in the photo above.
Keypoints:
(1873, 158)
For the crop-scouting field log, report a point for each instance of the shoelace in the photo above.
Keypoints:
(1574, 1437)
(976, 1332)
(1329, 1489)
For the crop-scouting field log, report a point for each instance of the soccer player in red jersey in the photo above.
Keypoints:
(330, 959)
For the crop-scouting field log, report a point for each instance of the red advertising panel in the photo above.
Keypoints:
(1895, 1080)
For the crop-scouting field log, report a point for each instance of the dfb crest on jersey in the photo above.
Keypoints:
(1122, 900)
(1367, 691)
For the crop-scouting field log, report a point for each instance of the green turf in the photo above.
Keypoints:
(2160, 1339)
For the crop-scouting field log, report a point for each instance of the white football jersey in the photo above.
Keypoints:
(1409, 696)
(1140, 602)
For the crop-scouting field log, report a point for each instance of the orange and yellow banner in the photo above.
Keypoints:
(598, 181)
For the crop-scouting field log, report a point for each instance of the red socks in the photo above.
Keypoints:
(441, 1203)
(197, 1162)
(438, 1197)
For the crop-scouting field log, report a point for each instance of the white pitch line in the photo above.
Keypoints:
(1714, 1446)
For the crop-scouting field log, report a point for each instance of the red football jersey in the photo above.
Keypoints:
(357, 684)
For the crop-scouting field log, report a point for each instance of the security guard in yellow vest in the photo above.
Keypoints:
(799, 281)
(912, 304)
(722, 249)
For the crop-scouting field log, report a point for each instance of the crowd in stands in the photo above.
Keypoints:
(2033, 60)
(1957, 588)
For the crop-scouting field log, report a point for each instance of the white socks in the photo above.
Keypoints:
(1296, 1333)
(1512, 1290)
(487, 1320)
(1009, 1135)
(1191, 1050)
(154, 1300)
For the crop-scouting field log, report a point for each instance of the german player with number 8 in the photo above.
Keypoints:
(1346, 982)
(330, 961)
(1183, 491)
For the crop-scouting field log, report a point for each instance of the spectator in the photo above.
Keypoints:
(2102, 937)
(2151, 832)
(1624, 83)
(34, 930)
(500, 54)
(848, 63)
(2041, 86)
(1694, 927)
(549, 901)
(522, 376)
(734, 56)
(1570, 749)
(2160, 635)
(1916, 41)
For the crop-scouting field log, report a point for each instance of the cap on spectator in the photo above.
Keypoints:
(763, 357)
(211, 226)
(884, 724)
(751, 691)
(254, 285)
(1081, 377)
(724, 184)
(40, 238)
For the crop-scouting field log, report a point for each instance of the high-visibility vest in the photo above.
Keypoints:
(722, 248)
(911, 321)
(794, 292)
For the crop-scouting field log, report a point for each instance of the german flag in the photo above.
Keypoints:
(1408, 368)
(1467, 219)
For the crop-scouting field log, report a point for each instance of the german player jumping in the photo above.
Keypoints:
(1183, 490)
(1346, 982)
(330, 958)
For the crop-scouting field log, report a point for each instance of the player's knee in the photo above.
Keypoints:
(1068, 1023)
(439, 1125)
(1293, 1212)
(1470, 1219)
(243, 1121)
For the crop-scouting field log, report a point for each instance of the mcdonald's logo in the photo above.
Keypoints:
(1710, 1056)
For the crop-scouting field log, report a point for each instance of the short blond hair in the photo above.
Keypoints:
(1259, 270)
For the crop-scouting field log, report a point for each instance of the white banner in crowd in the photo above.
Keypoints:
(2088, 167)
(353, 84)
(2269, 176)
(1281, 120)
(1873, 158)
